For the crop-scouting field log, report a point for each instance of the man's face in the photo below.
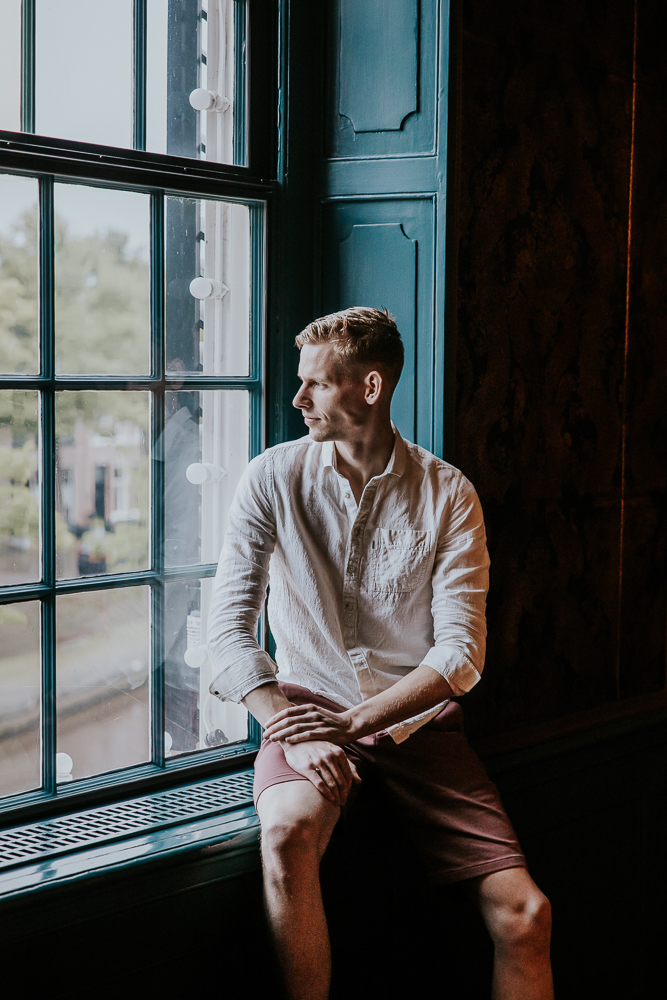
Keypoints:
(331, 399)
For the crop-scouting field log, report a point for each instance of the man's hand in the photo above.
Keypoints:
(302, 723)
(326, 766)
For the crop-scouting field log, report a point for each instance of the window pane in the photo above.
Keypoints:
(194, 718)
(83, 76)
(19, 487)
(102, 281)
(208, 319)
(19, 697)
(18, 275)
(102, 669)
(10, 66)
(206, 440)
(190, 65)
(102, 482)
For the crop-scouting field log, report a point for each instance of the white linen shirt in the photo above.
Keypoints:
(359, 595)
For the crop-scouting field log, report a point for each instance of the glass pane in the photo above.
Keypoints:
(102, 281)
(19, 697)
(83, 75)
(206, 440)
(194, 718)
(208, 287)
(19, 487)
(18, 275)
(102, 670)
(102, 482)
(10, 66)
(190, 79)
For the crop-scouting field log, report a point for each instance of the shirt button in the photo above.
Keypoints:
(347, 496)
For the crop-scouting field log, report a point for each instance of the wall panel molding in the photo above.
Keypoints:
(378, 63)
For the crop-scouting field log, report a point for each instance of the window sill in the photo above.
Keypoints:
(223, 835)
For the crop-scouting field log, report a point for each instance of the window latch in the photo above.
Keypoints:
(208, 288)
(202, 99)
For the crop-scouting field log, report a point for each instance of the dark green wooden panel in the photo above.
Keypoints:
(380, 253)
(378, 264)
(378, 63)
(382, 76)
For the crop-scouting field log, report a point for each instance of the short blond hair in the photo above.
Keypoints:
(362, 336)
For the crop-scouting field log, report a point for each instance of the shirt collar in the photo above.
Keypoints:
(395, 466)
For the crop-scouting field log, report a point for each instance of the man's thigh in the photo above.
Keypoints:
(293, 815)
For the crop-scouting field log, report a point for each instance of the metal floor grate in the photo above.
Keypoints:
(69, 833)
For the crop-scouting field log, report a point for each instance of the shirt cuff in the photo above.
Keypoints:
(402, 730)
(454, 666)
(234, 683)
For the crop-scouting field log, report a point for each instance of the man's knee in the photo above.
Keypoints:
(289, 838)
(296, 828)
(525, 925)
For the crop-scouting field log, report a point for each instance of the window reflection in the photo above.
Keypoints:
(10, 66)
(194, 718)
(83, 70)
(206, 440)
(19, 487)
(18, 275)
(102, 281)
(102, 671)
(19, 697)
(102, 482)
(208, 287)
(190, 78)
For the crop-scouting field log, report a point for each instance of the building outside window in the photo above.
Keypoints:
(132, 325)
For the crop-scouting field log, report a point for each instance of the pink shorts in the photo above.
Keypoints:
(438, 785)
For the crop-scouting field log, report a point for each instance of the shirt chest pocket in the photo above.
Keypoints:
(398, 560)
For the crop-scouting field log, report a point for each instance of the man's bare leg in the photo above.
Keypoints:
(518, 917)
(297, 823)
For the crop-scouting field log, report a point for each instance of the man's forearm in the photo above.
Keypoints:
(265, 701)
(421, 689)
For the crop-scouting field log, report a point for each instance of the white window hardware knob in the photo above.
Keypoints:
(202, 99)
(207, 288)
(64, 765)
(204, 472)
(196, 656)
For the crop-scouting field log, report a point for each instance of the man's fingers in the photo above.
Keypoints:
(328, 780)
(293, 712)
(340, 777)
(356, 777)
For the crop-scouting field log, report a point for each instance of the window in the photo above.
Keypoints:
(132, 313)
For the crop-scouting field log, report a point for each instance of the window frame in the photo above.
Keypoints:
(53, 160)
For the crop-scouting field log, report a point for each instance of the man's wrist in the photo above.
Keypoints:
(358, 723)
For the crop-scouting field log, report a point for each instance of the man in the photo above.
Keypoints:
(379, 574)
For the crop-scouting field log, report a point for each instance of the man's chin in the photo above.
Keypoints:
(318, 432)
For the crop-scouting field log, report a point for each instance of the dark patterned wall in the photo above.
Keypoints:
(546, 395)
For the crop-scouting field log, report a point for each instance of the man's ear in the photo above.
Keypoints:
(373, 383)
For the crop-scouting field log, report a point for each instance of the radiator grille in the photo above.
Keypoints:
(151, 812)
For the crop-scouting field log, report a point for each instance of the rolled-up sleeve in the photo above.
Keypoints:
(460, 584)
(239, 591)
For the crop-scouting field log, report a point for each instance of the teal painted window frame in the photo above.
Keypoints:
(50, 161)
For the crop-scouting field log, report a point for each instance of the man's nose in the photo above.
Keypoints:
(300, 400)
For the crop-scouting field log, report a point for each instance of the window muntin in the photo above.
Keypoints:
(167, 76)
(20, 700)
